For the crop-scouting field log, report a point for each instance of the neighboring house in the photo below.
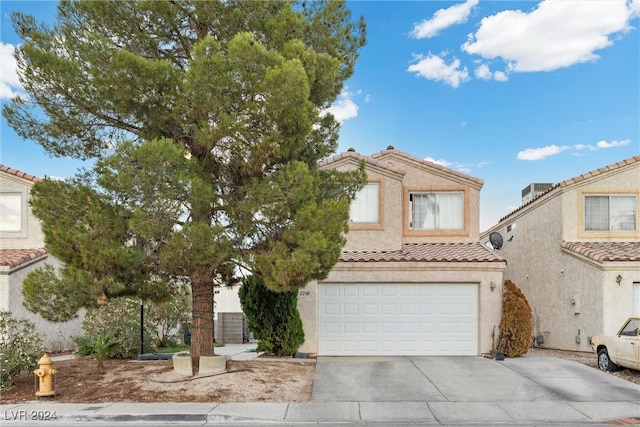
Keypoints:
(22, 251)
(413, 277)
(575, 253)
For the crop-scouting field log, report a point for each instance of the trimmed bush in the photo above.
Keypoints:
(515, 326)
(20, 347)
(119, 318)
(272, 317)
(168, 317)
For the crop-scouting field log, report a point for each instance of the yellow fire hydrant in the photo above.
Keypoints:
(45, 372)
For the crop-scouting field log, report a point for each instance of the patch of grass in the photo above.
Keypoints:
(174, 349)
(181, 347)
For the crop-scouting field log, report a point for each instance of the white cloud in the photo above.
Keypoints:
(344, 108)
(440, 162)
(443, 18)
(500, 76)
(540, 152)
(605, 144)
(460, 167)
(554, 35)
(9, 83)
(483, 72)
(551, 150)
(582, 147)
(433, 67)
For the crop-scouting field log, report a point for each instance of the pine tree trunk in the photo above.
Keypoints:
(202, 330)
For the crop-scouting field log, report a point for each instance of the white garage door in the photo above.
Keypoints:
(398, 319)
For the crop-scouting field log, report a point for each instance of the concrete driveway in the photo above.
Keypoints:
(474, 389)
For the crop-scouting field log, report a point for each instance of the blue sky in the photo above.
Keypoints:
(508, 92)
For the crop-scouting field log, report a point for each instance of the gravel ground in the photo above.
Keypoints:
(589, 359)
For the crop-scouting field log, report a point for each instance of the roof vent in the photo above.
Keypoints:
(390, 147)
(351, 150)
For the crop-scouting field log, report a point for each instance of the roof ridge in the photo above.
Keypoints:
(19, 174)
(576, 179)
(368, 159)
(426, 163)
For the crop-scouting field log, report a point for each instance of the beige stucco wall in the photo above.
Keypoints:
(420, 176)
(489, 301)
(553, 279)
(31, 236)
(620, 181)
(407, 172)
(56, 336)
(388, 235)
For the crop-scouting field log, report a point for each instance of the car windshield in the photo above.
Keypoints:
(631, 328)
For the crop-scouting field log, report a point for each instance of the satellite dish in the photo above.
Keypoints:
(495, 239)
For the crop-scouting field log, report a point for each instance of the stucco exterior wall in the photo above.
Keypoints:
(30, 236)
(424, 178)
(489, 301)
(573, 297)
(620, 182)
(388, 235)
(56, 336)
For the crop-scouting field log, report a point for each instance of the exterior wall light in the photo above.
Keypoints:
(492, 285)
(618, 279)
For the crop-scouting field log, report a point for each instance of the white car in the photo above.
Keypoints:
(622, 349)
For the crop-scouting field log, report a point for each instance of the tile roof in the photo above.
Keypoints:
(15, 257)
(576, 179)
(357, 156)
(19, 174)
(427, 252)
(446, 170)
(605, 251)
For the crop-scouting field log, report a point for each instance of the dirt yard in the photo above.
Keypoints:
(77, 381)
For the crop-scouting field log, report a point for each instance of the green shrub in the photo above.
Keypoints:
(119, 318)
(169, 316)
(515, 326)
(100, 348)
(272, 317)
(20, 347)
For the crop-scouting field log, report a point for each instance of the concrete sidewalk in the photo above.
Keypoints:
(379, 413)
(388, 391)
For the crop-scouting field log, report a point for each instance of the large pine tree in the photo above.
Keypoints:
(206, 117)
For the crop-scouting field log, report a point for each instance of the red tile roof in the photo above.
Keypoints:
(605, 251)
(393, 151)
(358, 156)
(15, 257)
(427, 252)
(19, 174)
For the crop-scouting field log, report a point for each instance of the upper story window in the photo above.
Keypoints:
(11, 205)
(365, 208)
(610, 213)
(440, 210)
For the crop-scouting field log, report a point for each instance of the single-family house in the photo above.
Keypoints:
(22, 250)
(574, 250)
(413, 277)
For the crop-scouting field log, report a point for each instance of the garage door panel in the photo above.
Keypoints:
(369, 309)
(366, 291)
(350, 309)
(398, 319)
